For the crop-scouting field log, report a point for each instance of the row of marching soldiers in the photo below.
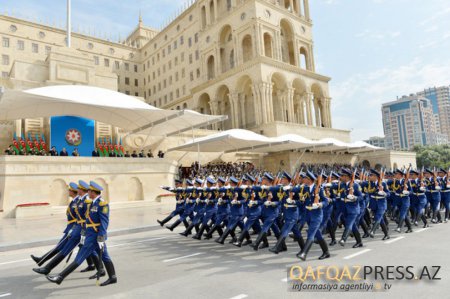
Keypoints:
(87, 224)
(286, 205)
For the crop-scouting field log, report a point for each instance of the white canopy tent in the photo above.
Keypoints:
(238, 140)
(100, 104)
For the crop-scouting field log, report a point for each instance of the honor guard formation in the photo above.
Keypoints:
(87, 223)
(315, 203)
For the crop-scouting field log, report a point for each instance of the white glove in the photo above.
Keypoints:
(422, 189)
(101, 245)
(288, 187)
(267, 203)
(351, 197)
(438, 188)
(289, 201)
(265, 187)
(357, 181)
(405, 192)
(234, 201)
(381, 193)
(273, 203)
(220, 200)
(69, 234)
(448, 186)
(316, 206)
(252, 202)
(243, 187)
(207, 201)
(83, 238)
(197, 200)
(328, 185)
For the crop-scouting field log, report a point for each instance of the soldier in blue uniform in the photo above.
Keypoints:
(236, 211)
(445, 192)
(266, 184)
(223, 208)
(179, 197)
(93, 238)
(339, 208)
(327, 223)
(253, 211)
(434, 188)
(402, 189)
(211, 197)
(418, 192)
(351, 196)
(71, 222)
(77, 208)
(314, 216)
(199, 208)
(378, 194)
(190, 195)
(290, 204)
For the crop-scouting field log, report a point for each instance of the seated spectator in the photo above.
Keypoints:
(9, 150)
(127, 154)
(141, 154)
(64, 152)
(149, 154)
(75, 153)
(160, 154)
(53, 151)
(134, 154)
(95, 153)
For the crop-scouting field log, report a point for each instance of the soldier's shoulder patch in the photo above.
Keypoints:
(88, 201)
(103, 203)
(105, 210)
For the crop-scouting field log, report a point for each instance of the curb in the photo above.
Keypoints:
(54, 241)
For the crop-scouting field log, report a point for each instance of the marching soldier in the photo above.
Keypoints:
(402, 188)
(445, 192)
(378, 192)
(418, 191)
(210, 208)
(179, 196)
(199, 208)
(223, 208)
(93, 238)
(191, 196)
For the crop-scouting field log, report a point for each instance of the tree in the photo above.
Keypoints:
(433, 156)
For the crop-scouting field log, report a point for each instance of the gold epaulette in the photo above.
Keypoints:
(88, 201)
(103, 203)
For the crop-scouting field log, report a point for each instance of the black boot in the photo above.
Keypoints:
(408, 225)
(208, 235)
(358, 239)
(302, 254)
(49, 255)
(60, 277)
(188, 230)
(301, 243)
(333, 236)
(167, 219)
(385, 218)
(111, 274)
(424, 220)
(278, 247)
(52, 264)
(90, 267)
(222, 238)
(260, 237)
(239, 241)
(175, 224)
(265, 243)
(99, 266)
(185, 223)
(233, 237)
(365, 229)
(400, 225)
(248, 240)
(198, 235)
(325, 252)
(344, 237)
(374, 229)
(385, 231)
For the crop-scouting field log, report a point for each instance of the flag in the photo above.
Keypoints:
(43, 144)
(111, 146)
(22, 142)
(116, 149)
(29, 144)
(36, 142)
(105, 148)
(100, 147)
(121, 147)
(16, 146)
(72, 132)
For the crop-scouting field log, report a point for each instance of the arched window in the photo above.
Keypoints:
(267, 45)
(247, 48)
(210, 65)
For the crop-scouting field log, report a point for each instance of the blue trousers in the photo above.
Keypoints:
(72, 241)
(91, 247)
(269, 222)
(290, 225)
(314, 219)
(252, 221)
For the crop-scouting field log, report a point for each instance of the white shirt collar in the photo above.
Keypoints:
(96, 199)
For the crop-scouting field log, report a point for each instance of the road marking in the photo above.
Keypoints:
(5, 295)
(13, 262)
(181, 257)
(394, 240)
(241, 296)
(356, 254)
(141, 241)
(420, 230)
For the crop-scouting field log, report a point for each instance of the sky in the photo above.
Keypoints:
(374, 50)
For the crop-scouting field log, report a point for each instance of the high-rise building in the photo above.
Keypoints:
(410, 121)
(440, 101)
(377, 141)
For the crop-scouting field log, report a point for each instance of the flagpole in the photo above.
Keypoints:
(69, 26)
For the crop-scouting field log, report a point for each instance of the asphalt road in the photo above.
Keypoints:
(161, 264)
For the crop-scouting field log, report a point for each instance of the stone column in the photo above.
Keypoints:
(290, 104)
(214, 105)
(215, 10)
(328, 111)
(308, 100)
(218, 61)
(243, 120)
(208, 13)
(237, 57)
(234, 109)
(277, 46)
(306, 8)
(269, 91)
(258, 101)
(299, 5)
(318, 115)
(257, 40)
(291, 3)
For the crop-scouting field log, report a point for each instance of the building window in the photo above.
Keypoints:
(48, 49)
(196, 38)
(116, 65)
(34, 48)
(170, 65)
(135, 68)
(181, 40)
(136, 82)
(145, 81)
(5, 42)
(127, 67)
(182, 73)
(198, 73)
(176, 76)
(20, 45)
(136, 94)
(190, 58)
(5, 74)
(197, 55)
(127, 92)
(182, 57)
(175, 45)
(169, 49)
(106, 62)
(5, 59)
(127, 81)
(149, 92)
(170, 80)
(96, 60)
(184, 89)
(154, 76)
(189, 42)
(159, 86)
(164, 53)
(178, 92)
(165, 83)
(191, 76)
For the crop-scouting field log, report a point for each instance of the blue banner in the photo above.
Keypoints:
(72, 132)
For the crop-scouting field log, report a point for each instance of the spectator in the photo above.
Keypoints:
(160, 154)
(64, 152)
(127, 154)
(53, 151)
(75, 153)
(9, 150)
(95, 153)
(141, 154)
(149, 154)
(134, 154)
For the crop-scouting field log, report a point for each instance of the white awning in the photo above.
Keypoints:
(102, 105)
(238, 140)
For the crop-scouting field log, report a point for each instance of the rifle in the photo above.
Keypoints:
(422, 184)
(380, 180)
(435, 177)
(352, 182)
(319, 184)
(405, 183)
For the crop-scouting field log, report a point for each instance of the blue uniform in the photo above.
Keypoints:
(314, 216)
(253, 211)
(189, 205)
(271, 208)
(420, 199)
(291, 205)
(378, 202)
(212, 195)
(402, 198)
(445, 195)
(351, 207)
